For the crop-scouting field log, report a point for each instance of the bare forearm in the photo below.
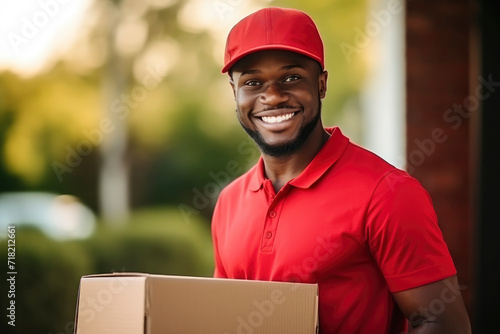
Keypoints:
(435, 308)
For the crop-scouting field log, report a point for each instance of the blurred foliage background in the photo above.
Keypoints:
(135, 108)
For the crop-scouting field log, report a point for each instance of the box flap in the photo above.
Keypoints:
(117, 274)
(109, 299)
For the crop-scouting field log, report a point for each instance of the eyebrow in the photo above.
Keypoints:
(250, 72)
(283, 68)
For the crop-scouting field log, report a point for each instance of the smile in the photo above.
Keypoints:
(277, 119)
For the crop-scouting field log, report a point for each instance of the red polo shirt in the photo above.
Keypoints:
(350, 222)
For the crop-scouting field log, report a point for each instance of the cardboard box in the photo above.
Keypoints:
(130, 303)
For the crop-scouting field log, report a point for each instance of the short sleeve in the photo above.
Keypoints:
(403, 234)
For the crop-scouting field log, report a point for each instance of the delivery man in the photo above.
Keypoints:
(317, 208)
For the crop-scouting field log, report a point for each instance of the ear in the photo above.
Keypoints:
(231, 82)
(322, 81)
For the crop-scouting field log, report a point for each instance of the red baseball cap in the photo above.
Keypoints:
(274, 29)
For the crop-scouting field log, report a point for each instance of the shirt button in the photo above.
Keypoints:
(272, 214)
(268, 235)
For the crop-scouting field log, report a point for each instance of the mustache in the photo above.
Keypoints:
(283, 106)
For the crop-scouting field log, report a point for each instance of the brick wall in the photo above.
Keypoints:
(439, 135)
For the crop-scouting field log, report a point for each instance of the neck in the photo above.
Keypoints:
(281, 170)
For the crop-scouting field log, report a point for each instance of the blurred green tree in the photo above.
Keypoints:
(167, 120)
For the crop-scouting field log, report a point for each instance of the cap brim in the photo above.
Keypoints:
(228, 66)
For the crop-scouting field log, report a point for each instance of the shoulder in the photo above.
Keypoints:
(375, 180)
(365, 170)
(366, 161)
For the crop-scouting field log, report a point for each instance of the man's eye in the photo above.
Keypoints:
(251, 83)
(292, 78)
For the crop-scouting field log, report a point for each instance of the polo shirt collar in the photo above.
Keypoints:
(326, 157)
(257, 177)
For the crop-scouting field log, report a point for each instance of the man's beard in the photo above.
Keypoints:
(287, 149)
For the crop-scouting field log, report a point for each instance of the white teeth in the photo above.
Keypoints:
(277, 119)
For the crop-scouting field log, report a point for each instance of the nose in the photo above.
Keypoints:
(273, 95)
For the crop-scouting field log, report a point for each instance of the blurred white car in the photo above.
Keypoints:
(61, 217)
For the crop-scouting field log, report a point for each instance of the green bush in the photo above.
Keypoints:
(154, 241)
(48, 272)
(47, 279)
